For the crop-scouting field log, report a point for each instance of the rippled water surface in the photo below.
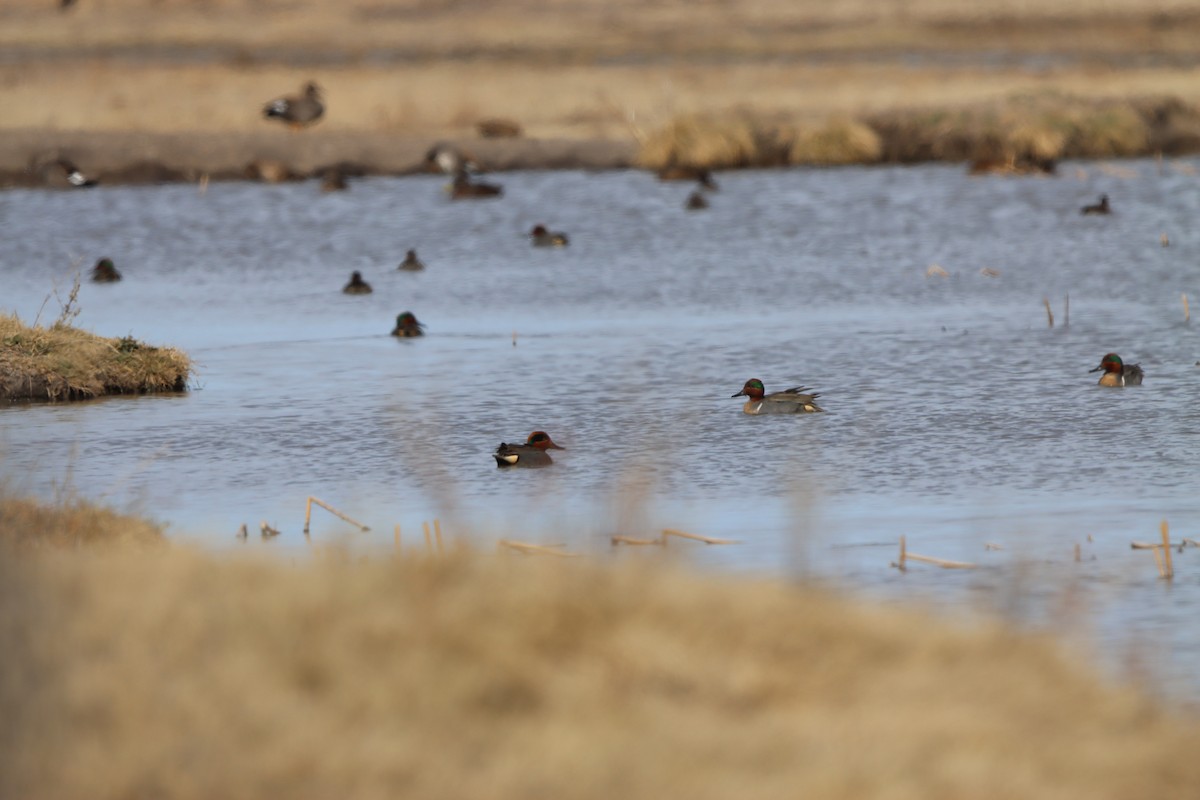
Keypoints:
(955, 415)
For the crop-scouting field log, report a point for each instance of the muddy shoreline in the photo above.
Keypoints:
(1022, 135)
(120, 158)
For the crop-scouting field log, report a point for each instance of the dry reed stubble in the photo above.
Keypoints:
(188, 676)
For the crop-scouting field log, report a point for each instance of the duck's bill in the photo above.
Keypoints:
(1097, 369)
(739, 394)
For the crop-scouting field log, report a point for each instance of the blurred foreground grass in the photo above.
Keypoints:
(175, 674)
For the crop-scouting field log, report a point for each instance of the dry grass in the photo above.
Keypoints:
(60, 362)
(1025, 128)
(839, 141)
(29, 525)
(175, 675)
(566, 68)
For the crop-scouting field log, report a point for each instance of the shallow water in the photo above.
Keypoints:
(955, 415)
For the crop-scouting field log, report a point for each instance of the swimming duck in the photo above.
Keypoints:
(1097, 208)
(334, 180)
(407, 325)
(297, 111)
(105, 272)
(696, 201)
(531, 454)
(411, 263)
(464, 188)
(789, 401)
(356, 285)
(1118, 373)
(450, 160)
(544, 238)
(681, 173)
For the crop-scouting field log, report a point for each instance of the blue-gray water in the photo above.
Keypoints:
(955, 415)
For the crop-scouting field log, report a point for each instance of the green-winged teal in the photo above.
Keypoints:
(333, 180)
(544, 238)
(1097, 208)
(465, 188)
(356, 285)
(450, 160)
(531, 454)
(411, 263)
(105, 271)
(407, 325)
(796, 400)
(1118, 373)
(298, 111)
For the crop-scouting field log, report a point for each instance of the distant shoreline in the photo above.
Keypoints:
(1023, 134)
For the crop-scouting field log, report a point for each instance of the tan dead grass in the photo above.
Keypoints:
(1022, 128)
(839, 141)
(175, 675)
(565, 68)
(61, 362)
(26, 524)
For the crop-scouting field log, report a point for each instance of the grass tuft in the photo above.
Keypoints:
(840, 141)
(61, 362)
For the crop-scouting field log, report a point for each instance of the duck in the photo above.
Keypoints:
(61, 173)
(333, 180)
(356, 285)
(411, 263)
(531, 454)
(796, 400)
(1097, 208)
(298, 111)
(677, 172)
(464, 188)
(450, 160)
(696, 201)
(407, 325)
(1118, 373)
(105, 272)
(545, 238)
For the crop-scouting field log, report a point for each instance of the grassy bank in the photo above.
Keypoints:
(176, 675)
(61, 362)
(1023, 130)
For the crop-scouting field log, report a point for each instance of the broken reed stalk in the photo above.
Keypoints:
(944, 563)
(308, 514)
(535, 549)
(396, 539)
(1049, 311)
(428, 541)
(437, 535)
(1158, 562)
(1187, 314)
(1166, 549)
(941, 562)
(1078, 555)
(618, 539)
(706, 539)
(1066, 309)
